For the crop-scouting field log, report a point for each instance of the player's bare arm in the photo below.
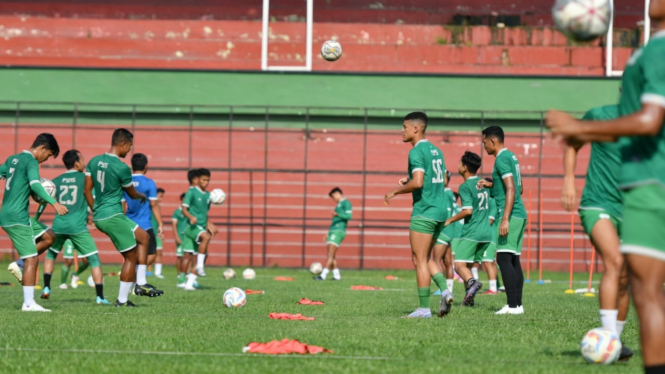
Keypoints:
(174, 227)
(569, 193)
(482, 183)
(134, 194)
(410, 186)
(509, 182)
(87, 192)
(188, 215)
(646, 122)
(403, 181)
(459, 216)
(157, 212)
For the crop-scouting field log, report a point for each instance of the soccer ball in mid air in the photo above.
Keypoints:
(582, 20)
(49, 187)
(234, 297)
(331, 50)
(600, 346)
(217, 196)
(315, 268)
(229, 274)
(249, 274)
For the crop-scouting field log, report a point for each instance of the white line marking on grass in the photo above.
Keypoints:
(173, 353)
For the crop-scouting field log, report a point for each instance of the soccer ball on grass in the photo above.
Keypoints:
(315, 268)
(600, 346)
(234, 297)
(229, 274)
(249, 274)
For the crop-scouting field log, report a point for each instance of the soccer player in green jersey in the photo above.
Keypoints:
(109, 177)
(69, 192)
(425, 183)
(337, 232)
(21, 174)
(641, 134)
(159, 238)
(506, 188)
(600, 212)
(195, 208)
(475, 237)
(179, 223)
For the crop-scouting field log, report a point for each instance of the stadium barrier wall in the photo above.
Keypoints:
(277, 165)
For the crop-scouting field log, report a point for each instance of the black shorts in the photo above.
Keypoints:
(152, 242)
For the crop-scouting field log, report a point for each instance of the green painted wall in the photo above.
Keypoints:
(230, 88)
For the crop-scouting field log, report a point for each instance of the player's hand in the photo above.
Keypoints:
(193, 221)
(178, 241)
(483, 184)
(403, 181)
(568, 194)
(60, 209)
(142, 198)
(334, 214)
(446, 223)
(389, 196)
(160, 232)
(503, 228)
(562, 124)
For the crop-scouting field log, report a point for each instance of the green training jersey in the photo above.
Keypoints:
(643, 157)
(19, 171)
(344, 213)
(507, 165)
(477, 225)
(181, 221)
(449, 202)
(428, 201)
(69, 192)
(197, 202)
(109, 177)
(602, 178)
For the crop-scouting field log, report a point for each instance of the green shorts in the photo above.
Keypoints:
(512, 243)
(120, 230)
(179, 251)
(38, 228)
(469, 251)
(83, 242)
(335, 238)
(191, 238)
(21, 237)
(158, 241)
(589, 217)
(447, 234)
(490, 253)
(426, 226)
(643, 222)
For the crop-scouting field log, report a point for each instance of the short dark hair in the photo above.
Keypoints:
(494, 131)
(70, 157)
(471, 161)
(417, 116)
(203, 172)
(122, 136)
(182, 196)
(160, 190)
(139, 162)
(336, 189)
(192, 174)
(489, 179)
(48, 141)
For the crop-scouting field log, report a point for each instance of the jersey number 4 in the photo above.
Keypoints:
(436, 166)
(101, 175)
(68, 195)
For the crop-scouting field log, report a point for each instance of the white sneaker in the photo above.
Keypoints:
(159, 276)
(508, 310)
(63, 286)
(34, 308)
(503, 310)
(16, 271)
(181, 285)
(521, 309)
(189, 288)
(200, 272)
(75, 281)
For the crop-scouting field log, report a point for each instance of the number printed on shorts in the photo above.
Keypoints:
(484, 200)
(10, 172)
(68, 195)
(101, 175)
(436, 166)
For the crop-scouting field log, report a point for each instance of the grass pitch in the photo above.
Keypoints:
(192, 332)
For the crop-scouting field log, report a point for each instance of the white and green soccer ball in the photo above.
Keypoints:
(600, 346)
(331, 50)
(582, 20)
(234, 297)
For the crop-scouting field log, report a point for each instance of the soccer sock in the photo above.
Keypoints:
(423, 295)
(158, 269)
(28, 295)
(63, 274)
(200, 260)
(336, 274)
(140, 274)
(324, 273)
(474, 271)
(47, 280)
(82, 267)
(181, 278)
(440, 281)
(191, 278)
(450, 283)
(123, 293)
(620, 325)
(493, 285)
(99, 288)
(519, 278)
(509, 277)
(660, 369)
(608, 319)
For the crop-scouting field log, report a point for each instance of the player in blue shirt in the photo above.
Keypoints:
(141, 213)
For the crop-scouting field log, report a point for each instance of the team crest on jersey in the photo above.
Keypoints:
(15, 161)
(435, 152)
(102, 164)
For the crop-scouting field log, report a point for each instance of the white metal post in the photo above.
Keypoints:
(647, 22)
(264, 34)
(308, 38)
(609, 40)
